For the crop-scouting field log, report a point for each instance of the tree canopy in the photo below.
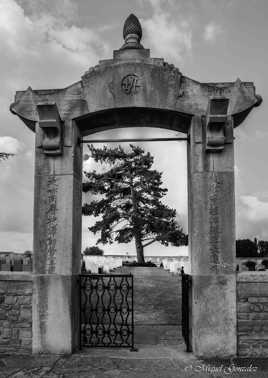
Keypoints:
(127, 200)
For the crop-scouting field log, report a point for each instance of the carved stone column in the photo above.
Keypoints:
(57, 234)
(212, 237)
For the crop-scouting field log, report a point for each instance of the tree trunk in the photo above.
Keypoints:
(137, 233)
(139, 249)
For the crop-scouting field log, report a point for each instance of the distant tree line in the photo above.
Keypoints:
(244, 248)
(251, 248)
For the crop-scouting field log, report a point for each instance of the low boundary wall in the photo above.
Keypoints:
(252, 314)
(15, 312)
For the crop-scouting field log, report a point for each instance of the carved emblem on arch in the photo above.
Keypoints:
(131, 84)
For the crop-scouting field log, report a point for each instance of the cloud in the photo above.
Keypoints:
(41, 47)
(65, 9)
(10, 145)
(255, 209)
(252, 217)
(166, 36)
(212, 31)
(157, 5)
(46, 44)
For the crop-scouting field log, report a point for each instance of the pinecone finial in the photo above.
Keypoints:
(132, 33)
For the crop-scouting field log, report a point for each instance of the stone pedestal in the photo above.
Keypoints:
(212, 244)
(57, 244)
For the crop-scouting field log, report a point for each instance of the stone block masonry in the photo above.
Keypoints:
(15, 312)
(252, 314)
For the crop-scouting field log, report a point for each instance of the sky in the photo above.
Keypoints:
(50, 44)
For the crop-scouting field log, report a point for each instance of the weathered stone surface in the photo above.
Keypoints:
(57, 246)
(214, 315)
(10, 299)
(212, 246)
(251, 289)
(24, 300)
(16, 313)
(243, 307)
(251, 277)
(13, 276)
(55, 315)
(57, 216)
(258, 315)
(159, 86)
(252, 301)
(25, 313)
(258, 300)
(256, 326)
(5, 333)
(26, 334)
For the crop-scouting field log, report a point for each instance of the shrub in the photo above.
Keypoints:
(93, 251)
(250, 265)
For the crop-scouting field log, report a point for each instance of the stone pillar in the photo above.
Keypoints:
(212, 243)
(57, 239)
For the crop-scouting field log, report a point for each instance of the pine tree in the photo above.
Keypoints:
(128, 200)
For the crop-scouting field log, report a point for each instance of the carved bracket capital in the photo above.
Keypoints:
(52, 128)
(217, 125)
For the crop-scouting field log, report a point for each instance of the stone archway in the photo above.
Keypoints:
(133, 88)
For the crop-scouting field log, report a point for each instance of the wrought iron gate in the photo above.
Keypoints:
(186, 281)
(106, 308)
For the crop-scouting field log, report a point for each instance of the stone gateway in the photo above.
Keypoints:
(134, 89)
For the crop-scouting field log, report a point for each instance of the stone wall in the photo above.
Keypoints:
(240, 261)
(252, 314)
(15, 312)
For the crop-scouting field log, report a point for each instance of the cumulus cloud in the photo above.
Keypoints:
(66, 9)
(158, 4)
(45, 44)
(252, 217)
(42, 47)
(255, 209)
(167, 37)
(212, 31)
(10, 145)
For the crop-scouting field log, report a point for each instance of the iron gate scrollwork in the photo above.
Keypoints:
(186, 283)
(106, 302)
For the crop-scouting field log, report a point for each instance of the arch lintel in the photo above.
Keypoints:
(133, 117)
